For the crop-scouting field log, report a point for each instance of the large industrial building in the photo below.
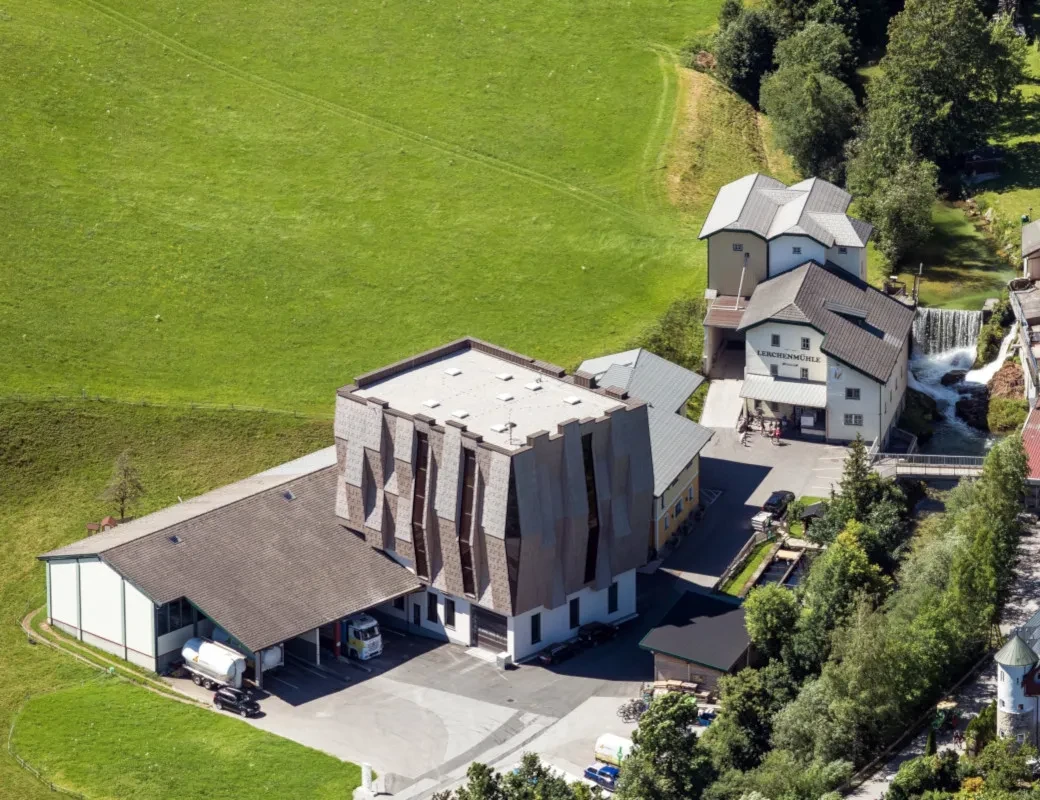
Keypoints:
(473, 494)
(791, 314)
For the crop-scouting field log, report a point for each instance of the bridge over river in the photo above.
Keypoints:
(920, 465)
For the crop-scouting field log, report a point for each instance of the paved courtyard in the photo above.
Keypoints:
(423, 711)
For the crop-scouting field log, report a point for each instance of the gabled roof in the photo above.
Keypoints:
(1031, 442)
(1031, 238)
(1016, 653)
(646, 376)
(267, 567)
(764, 206)
(861, 326)
(706, 629)
(674, 441)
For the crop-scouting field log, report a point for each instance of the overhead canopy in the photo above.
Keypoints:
(267, 566)
(726, 312)
(784, 390)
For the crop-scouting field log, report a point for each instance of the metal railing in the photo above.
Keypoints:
(922, 464)
(1026, 335)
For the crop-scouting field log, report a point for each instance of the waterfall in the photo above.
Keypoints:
(938, 330)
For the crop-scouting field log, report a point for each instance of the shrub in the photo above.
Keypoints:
(981, 729)
(1006, 413)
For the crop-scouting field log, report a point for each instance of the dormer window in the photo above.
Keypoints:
(738, 248)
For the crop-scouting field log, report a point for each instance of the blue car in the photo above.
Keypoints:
(604, 775)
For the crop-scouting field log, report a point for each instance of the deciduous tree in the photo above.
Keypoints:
(124, 487)
(818, 47)
(770, 615)
(744, 52)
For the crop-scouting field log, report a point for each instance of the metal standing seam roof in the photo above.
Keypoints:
(701, 628)
(764, 206)
(1016, 653)
(645, 376)
(1031, 238)
(784, 390)
(674, 441)
(1031, 442)
(872, 342)
(266, 568)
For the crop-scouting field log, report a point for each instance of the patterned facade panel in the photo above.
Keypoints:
(496, 495)
(387, 453)
(404, 549)
(452, 566)
(372, 490)
(499, 584)
(576, 519)
(405, 496)
(355, 515)
(434, 553)
(449, 482)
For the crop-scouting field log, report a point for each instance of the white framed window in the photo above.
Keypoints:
(1020, 737)
(854, 420)
(805, 343)
(678, 508)
(796, 250)
(774, 340)
(804, 372)
(774, 370)
(851, 394)
(738, 248)
(689, 493)
(843, 251)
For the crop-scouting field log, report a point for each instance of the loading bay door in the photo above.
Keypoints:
(489, 630)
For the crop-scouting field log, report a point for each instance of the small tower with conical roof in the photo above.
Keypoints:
(1016, 711)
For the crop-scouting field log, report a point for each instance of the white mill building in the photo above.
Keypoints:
(1017, 691)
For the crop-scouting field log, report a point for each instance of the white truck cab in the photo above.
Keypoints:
(364, 640)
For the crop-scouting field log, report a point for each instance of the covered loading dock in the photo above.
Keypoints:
(264, 559)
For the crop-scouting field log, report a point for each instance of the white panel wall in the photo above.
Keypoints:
(853, 260)
(459, 634)
(782, 257)
(140, 622)
(789, 356)
(101, 601)
(869, 403)
(174, 640)
(556, 621)
(63, 593)
(892, 394)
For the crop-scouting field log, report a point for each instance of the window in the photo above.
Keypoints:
(774, 370)
(1020, 706)
(843, 250)
(431, 607)
(575, 612)
(804, 372)
(666, 522)
(796, 250)
(592, 548)
(678, 508)
(399, 603)
(738, 248)
(612, 598)
(1020, 737)
(469, 472)
(855, 420)
(689, 493)
(536, 628)
(774, 340)
(851, 394)
(449, 613)
(805, 342)
(173, 616)
(422, 459)
(1001, 703)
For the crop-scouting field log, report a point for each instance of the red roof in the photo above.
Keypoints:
(109, 521)
(1031, 442)
(726, 312)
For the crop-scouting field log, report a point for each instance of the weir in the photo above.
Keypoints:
(938, 330)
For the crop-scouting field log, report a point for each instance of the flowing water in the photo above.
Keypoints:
(953, 347)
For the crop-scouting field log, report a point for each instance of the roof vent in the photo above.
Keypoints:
(571, 400)
(175, 539)
(533, 386)
(460, 413)
(506, 396)
(288, 495)
(453, 371)
(505, 376)
(502, 427)
(431, 403)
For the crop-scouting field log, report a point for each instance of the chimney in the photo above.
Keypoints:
(583, 379)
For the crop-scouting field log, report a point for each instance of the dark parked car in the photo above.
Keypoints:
(778, 502)
(555, 653)
(236, 701)
(593, 633)
(603, 775)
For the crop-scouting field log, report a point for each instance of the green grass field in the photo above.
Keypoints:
(253, 203)
(54, 461)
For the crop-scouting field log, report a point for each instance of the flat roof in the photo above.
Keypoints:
(702, 628)
(486, 393)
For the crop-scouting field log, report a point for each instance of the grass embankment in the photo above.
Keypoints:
(252, 204)
(752, 562)
(102, 735)
(795, 527)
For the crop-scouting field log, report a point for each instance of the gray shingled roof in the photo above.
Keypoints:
(1016, 653)
(674, 441)
(265, 568)
(809, 293)
(1031, 237)
(764, 206)
(704, 629)
(646, 376)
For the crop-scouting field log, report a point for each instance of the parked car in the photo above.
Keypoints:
(236, 701)
(593, 633)
(778, 502)
(605, 775)
(555, 653)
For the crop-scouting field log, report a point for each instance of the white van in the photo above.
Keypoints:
(611, 749)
